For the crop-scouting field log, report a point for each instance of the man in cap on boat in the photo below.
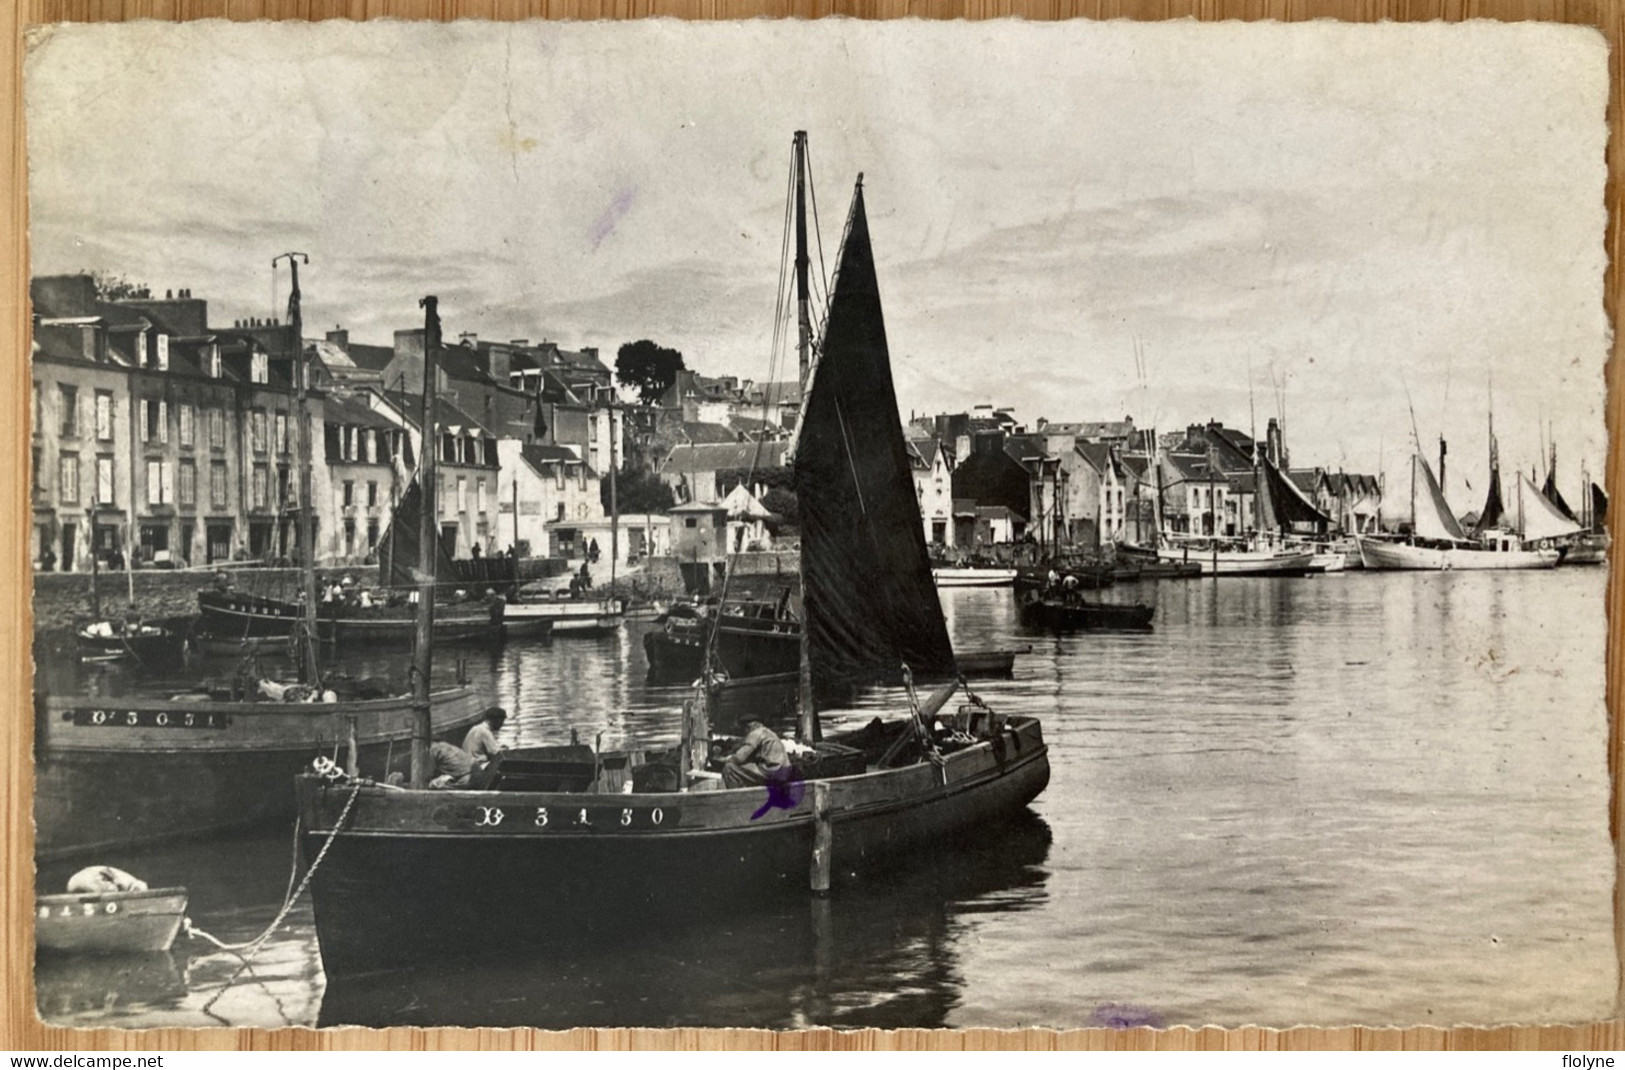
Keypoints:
(759, 758)
(481, 741)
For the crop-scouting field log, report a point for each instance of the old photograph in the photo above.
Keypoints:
(792, 524)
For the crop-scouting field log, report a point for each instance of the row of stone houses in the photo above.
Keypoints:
(161, 439)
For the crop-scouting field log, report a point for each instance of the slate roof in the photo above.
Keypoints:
(716, 457)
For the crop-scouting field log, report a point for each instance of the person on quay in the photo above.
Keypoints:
(759, 758)
(481, 741)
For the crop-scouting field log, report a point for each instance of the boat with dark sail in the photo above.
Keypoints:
(115, 771)
(556, 837)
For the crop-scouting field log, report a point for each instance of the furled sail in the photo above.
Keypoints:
(398, 549)
(1539, 517)
(1433, 519)
(869, 596)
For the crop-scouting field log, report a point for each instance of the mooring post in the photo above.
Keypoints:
(352, 764)
(823, 838)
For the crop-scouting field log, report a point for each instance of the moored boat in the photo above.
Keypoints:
(1221, 557)
(571, 847)
(109, 923)
(564, 616)
(973, 576)
(150, 644)
(1084, 613)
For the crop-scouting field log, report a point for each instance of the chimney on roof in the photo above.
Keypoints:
(519, 342)
(168, 296)
(339, 337)
(468, 338)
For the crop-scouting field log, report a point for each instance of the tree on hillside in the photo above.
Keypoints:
(651, 368)
(637, 490)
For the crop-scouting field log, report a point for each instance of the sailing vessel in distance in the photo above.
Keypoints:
(1437, 541)
(566, 837)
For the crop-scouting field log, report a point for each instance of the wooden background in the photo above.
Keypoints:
(23, 1031)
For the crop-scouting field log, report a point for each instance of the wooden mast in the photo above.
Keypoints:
(807, 718)
(428, 540)
(309, 668)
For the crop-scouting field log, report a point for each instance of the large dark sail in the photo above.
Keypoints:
(1599, 509)
(1493, 510)
(1286, 504)
(1552, 495)
(870, 599)
(398, 550)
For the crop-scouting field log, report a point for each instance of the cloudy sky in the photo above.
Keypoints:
(1324, 218)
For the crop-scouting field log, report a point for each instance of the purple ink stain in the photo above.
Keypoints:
(605, 224)
(1124, 1016)
(783, 793)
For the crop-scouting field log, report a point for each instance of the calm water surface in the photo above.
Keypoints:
(1366, 798)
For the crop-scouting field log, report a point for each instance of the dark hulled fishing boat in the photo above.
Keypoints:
(137, 769)
(554, 851)
(1046, 610)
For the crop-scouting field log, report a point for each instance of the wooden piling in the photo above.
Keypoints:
(352, 763)
(823, 838)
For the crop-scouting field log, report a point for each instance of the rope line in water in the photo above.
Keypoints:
(248, 947)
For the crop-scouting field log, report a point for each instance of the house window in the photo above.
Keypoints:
(214, 362)
(39, 408)
(259, 486)
(349, 538)
(154, 420)
(218, 498)
(69, 398)
(187, 419)
(281, 431)
(479, 495)
(138, 347)
(163, 352)
(558, 476)
(690, 522)
(39, 459)
(372, 493)
(104, 415)
(349, 493)
(372, 534)
(104, 481)
(462, 494)
(160, 483)
(259, 368)
(188, 489)
(371, 445)
(256, 430)
(217, 429)
(67, 478)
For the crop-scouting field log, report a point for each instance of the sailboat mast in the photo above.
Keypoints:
(302, 452)
(428, 541)
(807, 717)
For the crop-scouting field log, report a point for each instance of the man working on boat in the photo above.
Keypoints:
(481, 741)
(759, 758)
(449, 765)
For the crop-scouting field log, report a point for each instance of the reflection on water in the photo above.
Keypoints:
(1373, 798)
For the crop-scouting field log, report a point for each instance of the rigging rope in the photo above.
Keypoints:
(248, 947)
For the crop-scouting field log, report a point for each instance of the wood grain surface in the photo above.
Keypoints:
(22, 1030)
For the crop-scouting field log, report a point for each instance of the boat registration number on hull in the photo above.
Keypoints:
(88, 718)
(533, 819)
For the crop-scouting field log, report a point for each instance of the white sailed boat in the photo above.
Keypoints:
(1438, 543)
(971, 576)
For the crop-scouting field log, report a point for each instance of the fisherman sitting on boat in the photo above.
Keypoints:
(449, 765)
(481, 741)
(759, 758)
(104, 879)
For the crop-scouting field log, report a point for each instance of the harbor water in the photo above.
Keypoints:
(1357, 798)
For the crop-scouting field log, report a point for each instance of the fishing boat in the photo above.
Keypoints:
(973, 576)
(553, 850)
(1059, 613)
(743, 637)
(564, 615)
(114, 771)
(151, 644)
(1591, 547)
(109, 923)
(1235, 557)
(1438, 543)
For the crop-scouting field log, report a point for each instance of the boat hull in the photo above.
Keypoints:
(1084, 614)
(740, 651)
(974, 577)
(234, 615)
(549, 862)
(1242, 562)
(581, 619)
(121, 772)
(109, 923)
(1378, 554)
